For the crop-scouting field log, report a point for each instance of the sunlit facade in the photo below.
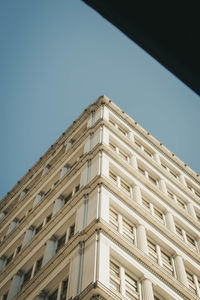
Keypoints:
(107, 212)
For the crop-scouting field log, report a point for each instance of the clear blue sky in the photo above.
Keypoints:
(56, 57)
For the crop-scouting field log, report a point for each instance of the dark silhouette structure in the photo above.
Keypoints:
(170, 34)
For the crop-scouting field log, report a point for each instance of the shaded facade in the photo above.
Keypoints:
(106, 213)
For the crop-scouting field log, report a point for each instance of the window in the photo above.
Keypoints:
(158, 214)
(116, 279)
(111, 122)
(113, 219)
(163, 166)
(113, 176)
(152, 179)
(27, 276)
(138, 144)
(48, 218)
(38, 229)
(77, 188)
(146, 203)
(128, 231)
(190, 240)
(61, 242)
(141, 170)
(148, 152)
(156, 251)
(170, 194)
(54, 295)
(9, 259)
(114, 276)
(64, 289)
(122, 130)
(166, 262)
(5, 296)
(123, 155)
(179, 231)
(68, 198)
(171, 172)
(125, 186)
(130, 287)
(18, 249)
(191, 282)
(122, 225)
(38, 265)
(71, 231)
(180, 203)
(113, 147)
(152, 250)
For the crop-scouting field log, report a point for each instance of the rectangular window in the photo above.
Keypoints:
(67, 198)
(114, 276)
(138, 144)
(9, 259)
(113, 147)
(27, 276)
(130, 287)
(191, 282)
(38, 265)
(148, 152)
(180, 203)
(122, 130)
(64, 289)
(113, 176)
(179, 231)
(113, 219)
(141, 170)
(18, 249)
(61, 242)
(38, 229)
(125, 186)
(146, 203)
(166, 262)
(152, 250)
(5, 296)
(190, 240)
(71, 231)
(171, 172)
(158, 214)
(123, 155)
(54, 295)
(111, 122)
(170, 194)
(128, 231)
(77, 188)
(163, 166)
(48, 218)
(153, 180)
(197, 193)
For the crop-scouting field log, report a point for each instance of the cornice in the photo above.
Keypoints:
(146, 135)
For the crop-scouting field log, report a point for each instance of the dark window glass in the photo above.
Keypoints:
(27, 276)
(18, 249)
(49, 218)
(71, 231)
(77, 188)
(53, 296)
(5, 296)
(61, 242)
(9, 259)
(38, 265)
(68, 197)
(64, 289)
(38, 228)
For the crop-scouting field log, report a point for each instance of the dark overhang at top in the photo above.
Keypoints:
(167, 32)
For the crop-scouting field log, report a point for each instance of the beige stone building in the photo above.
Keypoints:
(106, 213)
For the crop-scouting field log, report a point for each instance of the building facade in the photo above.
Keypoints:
(106, 213)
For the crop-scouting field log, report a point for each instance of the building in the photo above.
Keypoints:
(106, 213)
